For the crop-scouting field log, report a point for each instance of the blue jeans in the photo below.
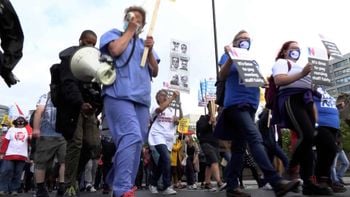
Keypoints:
(245, 131)
(337, 174)
(163, 167)
(10, 175)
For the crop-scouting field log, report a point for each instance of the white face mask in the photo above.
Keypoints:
(4, 129)
(138, 30)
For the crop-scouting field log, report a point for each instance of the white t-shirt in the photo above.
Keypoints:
(18, 144)
(281, 67)
(163, 128)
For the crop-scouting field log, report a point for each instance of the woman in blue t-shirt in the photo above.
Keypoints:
(240, 105)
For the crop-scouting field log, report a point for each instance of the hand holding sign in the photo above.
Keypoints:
(319, 68)
(246, 66)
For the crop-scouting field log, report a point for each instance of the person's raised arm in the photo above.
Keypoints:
(226, 67)
(116, 47)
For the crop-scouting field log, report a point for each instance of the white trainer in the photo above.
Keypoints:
(169, 191)
(153, 189)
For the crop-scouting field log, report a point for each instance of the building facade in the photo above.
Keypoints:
(340, 74)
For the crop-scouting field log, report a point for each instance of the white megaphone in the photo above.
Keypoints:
(87, 65)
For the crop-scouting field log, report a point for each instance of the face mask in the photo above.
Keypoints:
(294, 54)
(4, 129)
(138, 30)
(126, 24)
(244, 44)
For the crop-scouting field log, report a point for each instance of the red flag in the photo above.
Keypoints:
(19, 110)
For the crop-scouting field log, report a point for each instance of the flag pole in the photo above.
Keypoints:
(215, 41)
(150, 31)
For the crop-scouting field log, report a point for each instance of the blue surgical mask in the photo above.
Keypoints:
(138, 30)
(244, 44)
(126, 24)
(294, 54)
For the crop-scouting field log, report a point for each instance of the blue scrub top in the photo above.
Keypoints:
(133, 81)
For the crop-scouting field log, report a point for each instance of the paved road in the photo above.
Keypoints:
(250, 187)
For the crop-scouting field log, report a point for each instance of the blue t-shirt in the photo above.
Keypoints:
(235, 91)
(133, 82)
(328, 114)
(48, 118)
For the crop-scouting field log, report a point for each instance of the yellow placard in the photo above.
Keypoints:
(184, 123)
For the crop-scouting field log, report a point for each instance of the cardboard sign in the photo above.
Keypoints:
(331, 47)
(320, 74)
(175, 103)
(247, 68)
(184, 123)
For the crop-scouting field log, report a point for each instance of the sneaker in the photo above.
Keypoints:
(90, 188)
(222, 186)
(236, 193)
(209, 187)
(267, 186)
(153, 189)
(14, 193)
(192, 187)
(70, 192)
(42, 193)
(130, 193)
(169, 191)
(314, 189)
(284, 186)
(338, 187)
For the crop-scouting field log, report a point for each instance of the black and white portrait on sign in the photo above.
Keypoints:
(179, 61)
(175, 80)
(184, 81)
(184, 48)
(175, 47)
(175, 62)
(184, 64)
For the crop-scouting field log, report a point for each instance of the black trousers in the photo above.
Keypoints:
(326, 150)
(300, 118)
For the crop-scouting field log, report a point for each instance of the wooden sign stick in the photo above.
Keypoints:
(150, 31)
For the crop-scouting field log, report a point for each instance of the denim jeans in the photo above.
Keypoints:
(163, 166)
(10, 175)
(338, 173)
(245, 131)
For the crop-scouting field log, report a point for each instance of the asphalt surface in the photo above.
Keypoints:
(250, 187)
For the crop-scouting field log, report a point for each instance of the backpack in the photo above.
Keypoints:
(272, 91)
(31, 119)
(220, 92)
(55, 84)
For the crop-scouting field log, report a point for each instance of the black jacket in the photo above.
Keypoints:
(73, 93)
(205, 131)
(12, 38)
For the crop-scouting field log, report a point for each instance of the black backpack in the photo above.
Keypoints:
(220, 92)
(55, 85)
(31, 119)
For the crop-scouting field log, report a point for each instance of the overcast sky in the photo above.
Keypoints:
(50, 26)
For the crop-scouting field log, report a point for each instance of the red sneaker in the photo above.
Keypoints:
(130, 193)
